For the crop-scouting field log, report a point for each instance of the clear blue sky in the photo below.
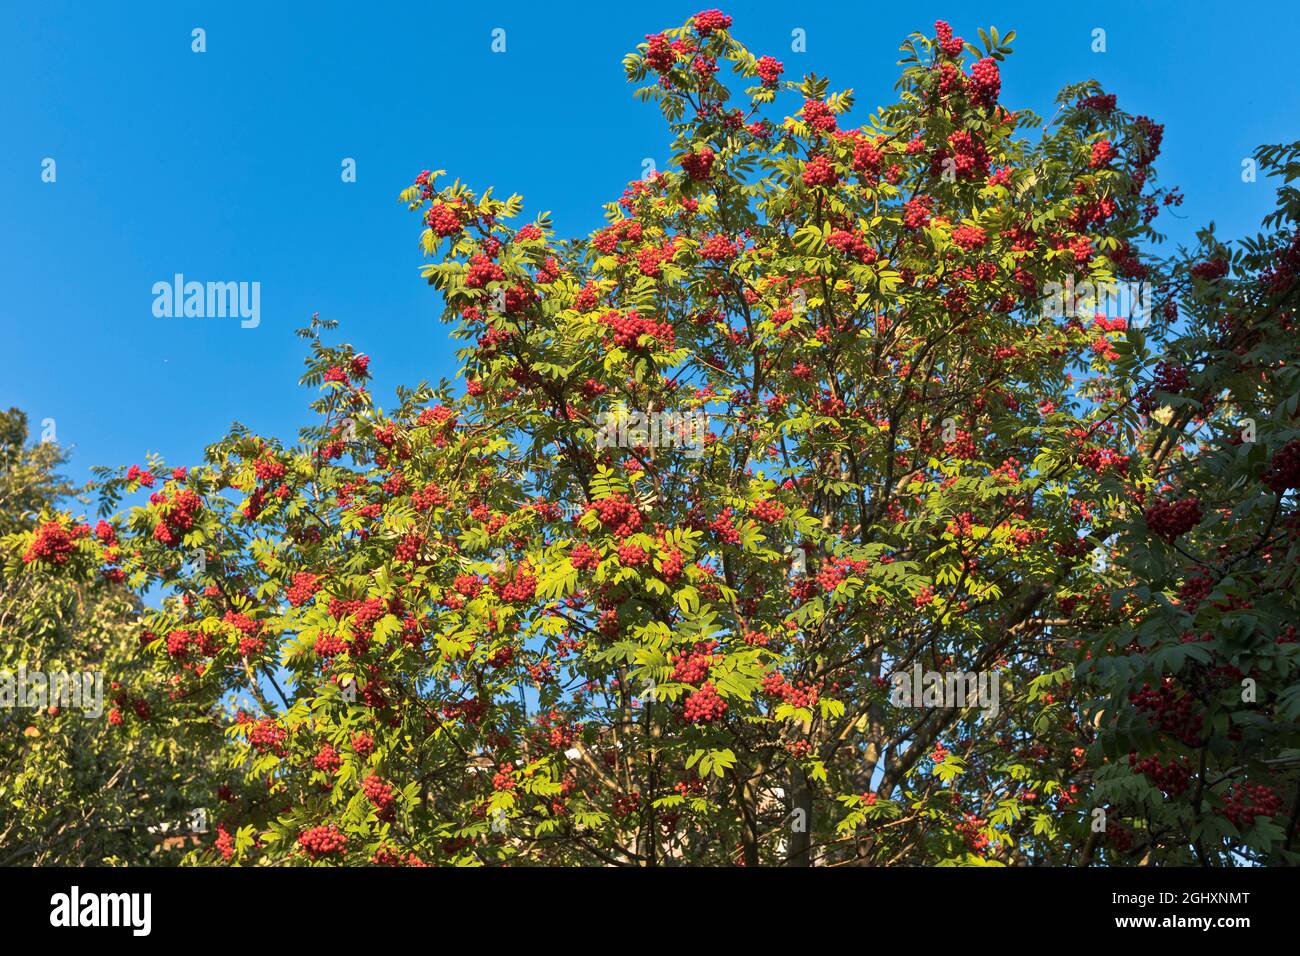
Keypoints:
(226, 165)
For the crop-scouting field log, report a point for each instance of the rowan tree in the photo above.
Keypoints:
(472, 629)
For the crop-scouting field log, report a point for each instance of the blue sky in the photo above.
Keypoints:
(225, 166)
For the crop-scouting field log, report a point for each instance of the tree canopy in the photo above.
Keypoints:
(864, 490)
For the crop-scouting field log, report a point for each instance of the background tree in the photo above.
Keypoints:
(77, 787)
(1201, 723)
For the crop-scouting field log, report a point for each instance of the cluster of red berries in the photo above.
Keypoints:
(584, 557)
(182, 643)
(1171, 778)
(54, 543)
(443, 219)
(802, 696)
(618, 514)
(380, 793)
(1280, 276)
(693, 667)
(725, 528)
(1120, 837)
(504, 778)
(1170, 377)
(949, 44)
(429, 497)
(1172, 710)
(849, 244)
(628, 329)
(866, 158)
(969, 156)
(1101, 102)
(607, 240)
(650, 259)
(819, 171)
(985, 82)
(519, 588)
(718, 248)
(482, 270)
(224, 843)
(409, 547)
(467, 584)
(951, 78)
(1168, 519)
(770, 70)
(818, 115)
(440, 415)
(1245, 801)
(659, 52)
(390, 856)
(962, 446)
(121, 701)
(916, 212)
(1195, 589)
(626, 804)
(178, 643)
(1094, 212)
(327, 759)
(1210, 270)
(1098, 460)
(359, 368)
(704, 705)
(176, 516)
(632, 555)
(706, 21)
(267, 736)
(961, 525)
(769, 511)
(584, 301)
(836, 570)
(970, 828)
(363, 613)
(1081, 246)
(302, 589)
(329, 645)
(1102, 153)
(969, 237)
(1283, 471)
(268, 470)
(556, 730)
(698, 163)
(671, 564)
(250, 634)
(322, 841)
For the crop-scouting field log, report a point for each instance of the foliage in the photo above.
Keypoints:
(72, 790)
(469, 629)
